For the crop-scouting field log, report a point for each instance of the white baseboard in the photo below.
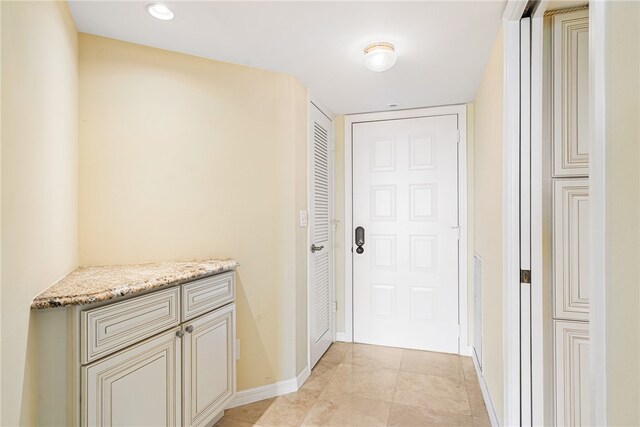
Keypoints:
(343, 337)
(485, 391)
(270, 390)
(466, 350)
(302, 376)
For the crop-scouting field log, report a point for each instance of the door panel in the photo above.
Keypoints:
(570, 93)
(320, 260)
(139, 386)
(405, 195)
(570, 233)
(209, 365)
(571, 248)
(572, 373)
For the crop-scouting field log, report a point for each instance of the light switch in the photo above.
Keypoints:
(303, 219)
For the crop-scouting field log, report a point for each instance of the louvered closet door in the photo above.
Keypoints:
(320, 235)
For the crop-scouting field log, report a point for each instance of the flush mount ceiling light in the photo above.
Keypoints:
(379, 56)
(160, 11)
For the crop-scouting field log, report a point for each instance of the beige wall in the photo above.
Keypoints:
(487, 217)
(39, 181)
(182, 157)
(622, 210)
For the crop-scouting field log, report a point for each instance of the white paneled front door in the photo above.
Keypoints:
(405, 197)
(320, 234)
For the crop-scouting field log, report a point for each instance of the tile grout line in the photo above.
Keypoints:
(395, 388)
(466, 388)
(315, 400)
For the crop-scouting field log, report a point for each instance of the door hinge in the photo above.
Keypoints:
(458, 136)
(335, 306)
(457, 228)
(525, 276)
(333, 145)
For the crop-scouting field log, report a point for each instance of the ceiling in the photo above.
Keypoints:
(442, 46)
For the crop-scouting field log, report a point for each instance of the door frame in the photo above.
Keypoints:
(598, 195)
(597, 144)
(540, 409)
(513, 13)
(463, 282)
(542, 404)
(314, 102)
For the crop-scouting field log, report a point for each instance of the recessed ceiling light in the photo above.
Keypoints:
(160, 11)
(392, 105)
(379, 56)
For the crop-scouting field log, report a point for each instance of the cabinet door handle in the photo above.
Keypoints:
(189, 329)
(180, 333)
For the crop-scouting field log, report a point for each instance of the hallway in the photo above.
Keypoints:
(364, 385)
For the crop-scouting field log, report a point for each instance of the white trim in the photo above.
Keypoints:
(217, 418)
(309, 194)
(491, 410)
(597, 196)
(525, 221)
(539, 12)
(309, 155)
(348, 232)
(270, 390)
(313, 102)
(511, 222)
(461, 111)
(322, 107)
(537, 278)
(514, 10)
(343, 337)
(467, 351)
(303, 376)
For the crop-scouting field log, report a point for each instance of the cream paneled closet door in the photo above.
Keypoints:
(570, 216)
(320, 234)
(405, 197)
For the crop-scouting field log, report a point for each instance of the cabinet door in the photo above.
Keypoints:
(572, 385)
(209, 365)
(139, 386)
(571, 93)
(571, 249)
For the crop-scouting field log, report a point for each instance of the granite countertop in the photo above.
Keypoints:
(87, 285)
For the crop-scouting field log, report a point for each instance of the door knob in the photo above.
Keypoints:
(189, 329)
(360, 239)
(315, 248)
(180, 333)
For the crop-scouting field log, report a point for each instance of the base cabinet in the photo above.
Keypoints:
(159, 364)
(182, 377)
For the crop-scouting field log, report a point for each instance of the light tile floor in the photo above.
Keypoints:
(366, 385)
